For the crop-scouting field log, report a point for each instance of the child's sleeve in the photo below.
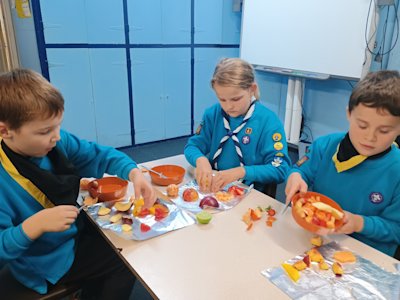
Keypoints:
(13, 240)
(93, 160)
(199, 144)
(384, 228)
(308, 164)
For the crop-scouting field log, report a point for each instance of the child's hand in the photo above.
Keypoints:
(142, 187)
(203, 174)
(352, 223)
(222, 178)
(295, 183)
(55, 219)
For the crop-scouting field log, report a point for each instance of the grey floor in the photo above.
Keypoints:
(169, 148)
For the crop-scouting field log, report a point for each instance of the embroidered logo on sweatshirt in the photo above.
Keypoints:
(376, 197)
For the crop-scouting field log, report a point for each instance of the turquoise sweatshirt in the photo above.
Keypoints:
(50, 256)
(262, 141)
(370, 189)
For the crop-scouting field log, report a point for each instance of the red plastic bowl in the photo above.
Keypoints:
(173, 173)
(311, 226)
(108, 188)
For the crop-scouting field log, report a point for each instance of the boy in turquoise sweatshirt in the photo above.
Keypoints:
(360, 169)
(43, 239)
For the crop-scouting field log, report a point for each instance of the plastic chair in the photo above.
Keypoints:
(11, 289)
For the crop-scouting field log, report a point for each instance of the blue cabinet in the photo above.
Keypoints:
(215, 22)
(87, 54)
(95, 89)
(161, 93)
(82, 21)
(159, 21)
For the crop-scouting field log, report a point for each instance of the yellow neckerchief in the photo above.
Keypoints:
(347, 164)
(25, 183)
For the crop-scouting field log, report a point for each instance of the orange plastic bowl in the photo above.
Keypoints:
(311, 226)
(108, 188)
(173, 173)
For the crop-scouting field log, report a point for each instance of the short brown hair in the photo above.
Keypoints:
(379, 90)
(234, 72)
(26, 96)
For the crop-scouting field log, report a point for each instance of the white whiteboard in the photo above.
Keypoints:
(318, 36)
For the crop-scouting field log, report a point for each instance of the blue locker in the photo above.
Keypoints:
(82, 22)
(148, 93)
(111, 98)
(204, 65)
(105, 21)
(69, 71)
(176, 21)
(207, 21)
(231, 24)
(64, 21)
(159, 21)
(177, 97)
(144, 18)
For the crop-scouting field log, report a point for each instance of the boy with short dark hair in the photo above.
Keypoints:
(43, 240)
(360, 169)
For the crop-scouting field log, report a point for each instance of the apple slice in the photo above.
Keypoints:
(325, 207)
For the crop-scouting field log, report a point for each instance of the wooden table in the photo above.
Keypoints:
(222, 260)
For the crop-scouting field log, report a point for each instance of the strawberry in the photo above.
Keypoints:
(144, 227)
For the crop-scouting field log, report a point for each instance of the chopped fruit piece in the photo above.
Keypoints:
(316, 240)
(236, 191)
(89, 201)
(271, 218)
(126, 227)
(116, 218)
(291, 271)
(160, 213)
(143, 212)
(203, 217)
(255, 214)
(327, 208)
(300, 265)
(331, 223)
(315, 255)
(246, 218)
(344, 256)
(306, 260)
(138, 202)
(152, 210)
(337, 269)
(269, 223)
(122, 206)
(271, 212)
(249, 226)
(84, 184)
(172, 190)
(103, 211)
(144, 227)
(223, 196)
(127, 220)
(323, 265)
